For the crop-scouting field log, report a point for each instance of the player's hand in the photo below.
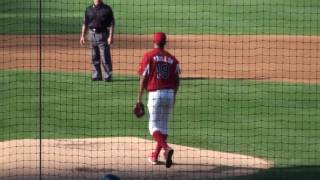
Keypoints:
(138, 100)
(110, 40)
(82, 40)
(138, 109)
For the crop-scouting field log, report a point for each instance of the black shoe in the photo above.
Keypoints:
(168, 157)
(109, 79)
(96, 79)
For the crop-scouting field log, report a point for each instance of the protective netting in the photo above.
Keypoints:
(248, 106)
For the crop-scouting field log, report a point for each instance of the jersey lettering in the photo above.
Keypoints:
(163, 59)
(160, 68)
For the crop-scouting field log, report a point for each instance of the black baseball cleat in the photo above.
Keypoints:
(96, 79)
(109, 79)
(168, 157)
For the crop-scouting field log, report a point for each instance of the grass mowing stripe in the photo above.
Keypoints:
(173, 16)
(278, 121)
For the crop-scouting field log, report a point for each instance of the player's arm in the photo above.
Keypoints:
(84, 29)
(177, 87)
(142, 83)
(111, 30)
(111, 27)
(178, 84)
(178, 71)
(143, 73)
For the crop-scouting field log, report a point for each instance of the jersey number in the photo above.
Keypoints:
(162, 71)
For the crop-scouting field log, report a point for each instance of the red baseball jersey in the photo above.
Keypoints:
(160, 68)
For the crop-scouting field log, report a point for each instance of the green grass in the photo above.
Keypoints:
(288, 173)
(277, 121)
(173, 16)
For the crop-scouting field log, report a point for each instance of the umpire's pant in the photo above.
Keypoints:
(100, 53)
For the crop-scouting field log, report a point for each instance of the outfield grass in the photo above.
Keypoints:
(271, 120)
(287, 173)
(173, 16)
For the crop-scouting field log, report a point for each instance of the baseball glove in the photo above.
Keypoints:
(138, 109)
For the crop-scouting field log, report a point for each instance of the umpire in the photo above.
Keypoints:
(99, 20)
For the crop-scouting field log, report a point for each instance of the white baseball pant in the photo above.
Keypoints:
(160, 104)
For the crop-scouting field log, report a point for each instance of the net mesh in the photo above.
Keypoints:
(247, 107)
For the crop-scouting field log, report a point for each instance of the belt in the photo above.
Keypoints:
(98, 30)
(166, 89)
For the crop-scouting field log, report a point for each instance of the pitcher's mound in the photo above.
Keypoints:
(125, 157)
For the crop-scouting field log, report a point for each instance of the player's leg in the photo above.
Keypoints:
(95, 57)
(161, 137)
(161, 130)
(153, 107)
(167, 97)
(167, 101)
(96, 65)
(153, 159)
(160, 105)
(105, 57)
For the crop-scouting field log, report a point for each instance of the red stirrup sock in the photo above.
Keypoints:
(156, 136)
(158, 149)
(161, 139)
(164, 138)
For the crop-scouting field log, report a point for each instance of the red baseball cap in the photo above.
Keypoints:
(159, 38)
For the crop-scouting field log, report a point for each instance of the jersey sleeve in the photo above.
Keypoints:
(144, 66)
(111, 18)
(86, 18)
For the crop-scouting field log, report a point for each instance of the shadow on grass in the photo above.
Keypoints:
(214, 172)
(177, 171)
(284, 173)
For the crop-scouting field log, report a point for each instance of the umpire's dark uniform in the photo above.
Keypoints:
(97, 19)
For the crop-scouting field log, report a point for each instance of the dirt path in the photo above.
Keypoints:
(122, 156)
(273, 58)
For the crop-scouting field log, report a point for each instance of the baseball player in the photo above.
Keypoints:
(159, 75)
(100, 22)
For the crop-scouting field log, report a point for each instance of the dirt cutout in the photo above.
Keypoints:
(125, 157)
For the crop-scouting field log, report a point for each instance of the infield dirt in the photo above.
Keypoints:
(125, 157)
(272, 58)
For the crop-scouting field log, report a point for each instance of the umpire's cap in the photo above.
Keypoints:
(159, 38)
